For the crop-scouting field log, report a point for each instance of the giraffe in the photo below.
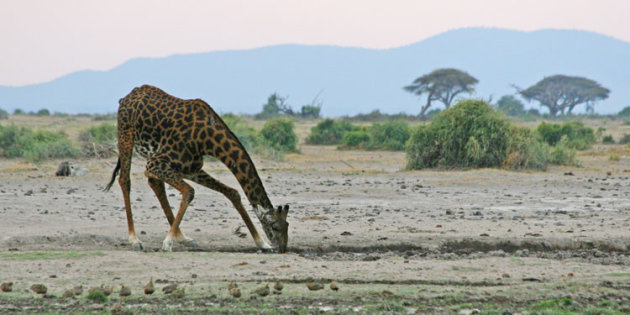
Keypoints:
(173, 135)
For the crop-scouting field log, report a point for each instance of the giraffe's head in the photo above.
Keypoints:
(276, 227)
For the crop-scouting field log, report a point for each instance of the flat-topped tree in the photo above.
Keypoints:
(173, 135)
(442, 85)
(560, 93)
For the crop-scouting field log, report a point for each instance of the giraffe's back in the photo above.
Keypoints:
(162, 122)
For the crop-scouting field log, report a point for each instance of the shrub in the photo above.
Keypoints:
(18, 111)
(330, 131)
(241, 129)
(562, 153)
(43, 112)
(469, 134)
(97, 296)
(356, 139)
(100, 117)
(34, 145)
(608, 139)
(376, 115)
(4, 114)
(391, 135)
(625, 112)
(511, 106)
(524, 150)
(279, 134)
(310, 111)
(276, 105)
(578, 136)
(472, 134)
(625, 139)
(99, 141)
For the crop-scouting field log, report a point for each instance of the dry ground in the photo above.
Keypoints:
(394, 240)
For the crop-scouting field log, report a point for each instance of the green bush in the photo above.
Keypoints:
(18, 111)
(330, 131)
(279, 134)
(34, 145)
(376, 115)
(43, 112)
(578, 136)
(608, 139)
(310, 111)
(101, 133)
(391, 135)
(4, 114)
(525, 150)
(356, 139)
(99, 141)
(97, 296)
(511, 106)
(625, 112)
(243, 131)
(469, 134)
(472, 134)
(562, 153)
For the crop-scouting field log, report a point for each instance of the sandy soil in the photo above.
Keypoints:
(472, 236)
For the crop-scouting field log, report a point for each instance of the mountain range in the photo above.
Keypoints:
(346, 80)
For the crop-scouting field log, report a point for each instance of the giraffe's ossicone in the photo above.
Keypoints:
(174, 135)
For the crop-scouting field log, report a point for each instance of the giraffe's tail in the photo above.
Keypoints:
(111, 182)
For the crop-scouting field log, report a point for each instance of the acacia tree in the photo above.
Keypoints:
(560, 93)
(442, 85)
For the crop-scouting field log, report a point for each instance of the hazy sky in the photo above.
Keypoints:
(42, 40)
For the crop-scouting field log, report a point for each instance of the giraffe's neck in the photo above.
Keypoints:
(232, 153)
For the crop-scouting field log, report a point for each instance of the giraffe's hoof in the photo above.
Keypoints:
(167, 245)
(189, 243)
(268, 250)
(137, 246)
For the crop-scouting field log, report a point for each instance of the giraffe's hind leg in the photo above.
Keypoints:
(158, 188)
(159, 167)
(232, 194)
(125, 148)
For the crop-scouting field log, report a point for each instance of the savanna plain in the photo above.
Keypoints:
(392, 240)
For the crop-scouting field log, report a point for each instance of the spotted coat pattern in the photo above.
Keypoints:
(173, 135)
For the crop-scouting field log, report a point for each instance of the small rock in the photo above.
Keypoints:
(235, 292)
(78, 290)
(124, 291)
(178, 293)
(334, 286)
(149, 288)
(6, 286)
(346, 233)
(278, 286)
(314, 286)
(263, 291)
(232, 285)
(28, 193)
(169, 288)
(39, 288)
(68, 294)
(107, 290)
